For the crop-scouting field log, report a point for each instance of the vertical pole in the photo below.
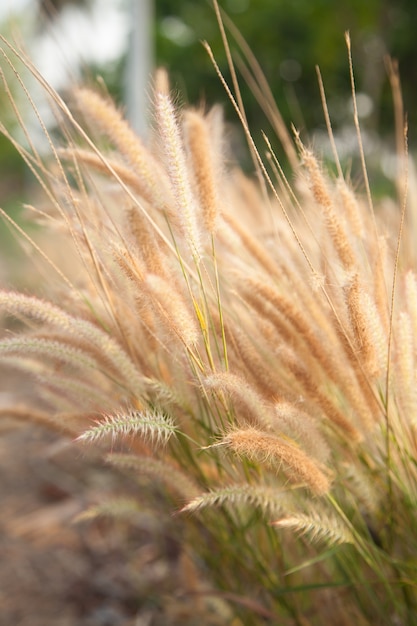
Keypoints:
(139, 64)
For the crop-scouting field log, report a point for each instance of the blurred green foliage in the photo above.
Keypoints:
(13, 171)
(289, 38)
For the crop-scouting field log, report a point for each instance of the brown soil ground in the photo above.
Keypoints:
(55, 572)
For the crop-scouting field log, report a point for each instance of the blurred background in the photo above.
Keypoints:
(123, 41)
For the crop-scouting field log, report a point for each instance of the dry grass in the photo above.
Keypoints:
(265, 333)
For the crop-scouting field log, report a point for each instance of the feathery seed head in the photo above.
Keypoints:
(279, 453)
(175, 161)
(203, 167)
(154, 427)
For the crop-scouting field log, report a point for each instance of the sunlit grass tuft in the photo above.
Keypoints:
(246, 347)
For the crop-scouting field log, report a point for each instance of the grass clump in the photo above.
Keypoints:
(264, 332)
